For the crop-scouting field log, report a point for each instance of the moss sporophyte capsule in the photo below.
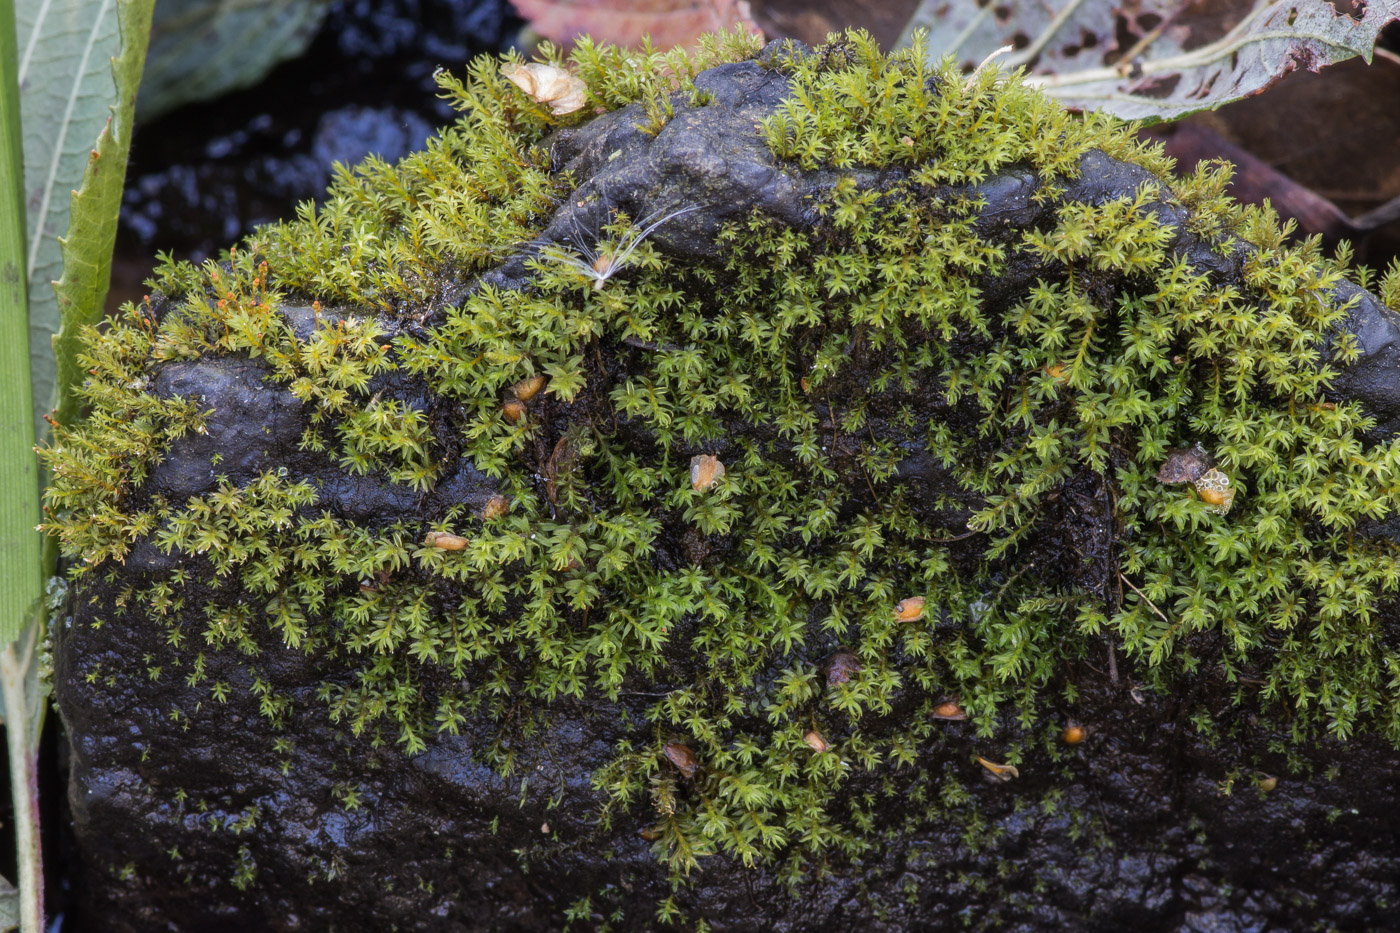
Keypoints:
(625, 445)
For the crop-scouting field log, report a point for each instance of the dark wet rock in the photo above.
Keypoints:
(195, 812)
(442, 842)
(1374, 378)
(305, 320)
(250, 425)
(1007, 203)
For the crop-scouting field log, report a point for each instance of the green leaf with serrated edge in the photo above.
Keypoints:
(79, 100)
(66, 89)
(1165, 61)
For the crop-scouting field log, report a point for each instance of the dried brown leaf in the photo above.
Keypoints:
(560, 462)
(1154, 59)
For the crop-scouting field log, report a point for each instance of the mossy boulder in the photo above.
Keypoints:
(712, 508)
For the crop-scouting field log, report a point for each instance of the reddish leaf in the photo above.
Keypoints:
(668, 22)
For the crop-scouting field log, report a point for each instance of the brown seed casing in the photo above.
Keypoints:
(495, 507)
(910, 610)
(527, 389)
(444, 541)
(513, 409)
(682, 757)
(950, 711)
(705, 471)
(815, 742)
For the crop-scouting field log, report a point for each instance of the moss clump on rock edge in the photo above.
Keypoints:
(912, 396)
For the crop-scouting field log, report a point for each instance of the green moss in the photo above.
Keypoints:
(850, 340)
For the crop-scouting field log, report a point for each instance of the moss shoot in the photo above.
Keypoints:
(769, 608)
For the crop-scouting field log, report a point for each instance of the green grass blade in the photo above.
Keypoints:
(21, 573)
(21, 552)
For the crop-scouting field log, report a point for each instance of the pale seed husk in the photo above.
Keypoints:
(705, 471)
(527, 389)
(1000, 772)
(550, 85)
(445, 541)
(910, 610)
(949, 711)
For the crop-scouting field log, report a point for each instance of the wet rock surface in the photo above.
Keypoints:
(193, 814)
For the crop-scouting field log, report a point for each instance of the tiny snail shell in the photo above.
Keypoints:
(949, 710)
(444, 541)
(527, 389)
(910, 610)
(814, 740)
(1267, 782)
(1215, 490)
(682, 757)
(705, 471)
